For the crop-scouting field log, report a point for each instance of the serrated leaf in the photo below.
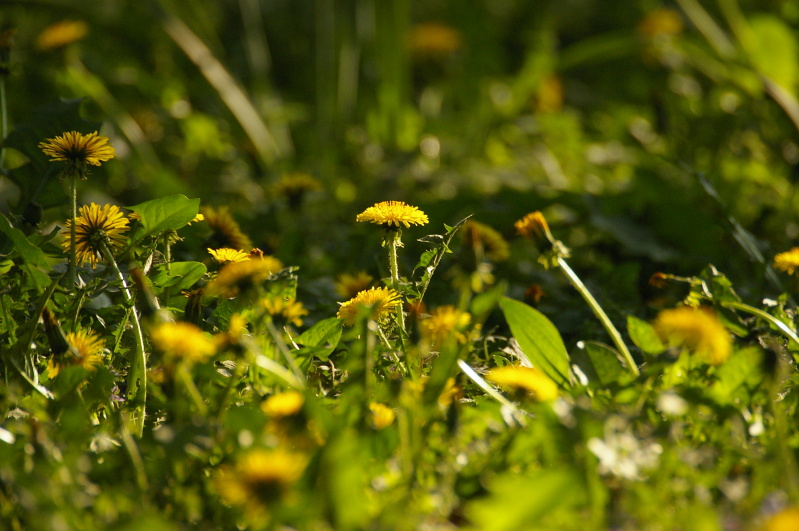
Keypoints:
(538, 339)
(29, 252)
(644, 336)
(600, 363)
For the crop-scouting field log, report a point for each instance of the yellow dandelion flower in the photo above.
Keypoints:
(197, 219)
(294, 186)
(232, 337)
(433, 39)
(225, 255)
(93, 225)
(534, 227)
(485, 241)
(61, 33)
(86, 351)
(393, 214)
(382, 415)
(383, 301)
(787, 261)
(182, 341)
(259, 478)
(661, 22)
(291, 310)
(347, 285)
(283, 404)
(534, 382)
(452, 392)
(445, 322)
(698, 329)
(785, 520)
(78, 149)
(240, 277)
(225, 231)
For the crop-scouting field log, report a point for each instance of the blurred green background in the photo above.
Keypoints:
(653, 135)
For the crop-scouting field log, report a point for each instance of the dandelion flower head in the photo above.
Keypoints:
(259, 477)
(93, 224)
(433, 39)
(225, 231)
(284, 404)
(698, 329)
(183, 341)
(87, 352)
(61, 33)
(485, 241)
(383, 301)
(238, 277)
(538, 385)
(78, 149)
(289, 310)
(349, 285)
(787, 261)
(393, 214)
(444, 322)
(226, 255)
(382, 415)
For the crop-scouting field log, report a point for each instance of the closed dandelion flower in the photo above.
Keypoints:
(61, 33)
(532, 381)
(348, 286)
(383, 302)
(698, 329)
(226, 232)
(259, 478)
(226, 255)
(183, 341)
(382, 415)
(86, 351)
(534, 227)
(787, 261)
(284, 404)
(290, 311)
(94, 225)
(239, 277)
(393, 214)
(445, 322)
(78, 150)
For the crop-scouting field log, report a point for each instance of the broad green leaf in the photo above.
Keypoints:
(741, 374)
(538, 339)
(517, 501)
(167, 213)
(644, 335)
(181, 275)
(29, 252)
(325, 333)
(600, 363)
(773, 50)
(485, 302)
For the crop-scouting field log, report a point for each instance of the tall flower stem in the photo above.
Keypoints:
(137, 373)
(600, 314)
(394, 242)
(73, 195)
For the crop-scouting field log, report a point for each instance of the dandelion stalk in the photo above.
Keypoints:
(393, 241)
(73, 195)
(137, 374)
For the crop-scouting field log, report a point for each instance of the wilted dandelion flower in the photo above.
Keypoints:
(284, 404)
(183, 341)
(698, 329)
(534, 382)
(61, 33)
(393, 214)
(259, 478)
(383, 301)
(445, 322)
(348, 285)
(382, 415)
(87, 352)
(93, 225)
(225, 255)
(787, 261)
(291, 310)
(78, 150)
(226, 232)
(238, 277)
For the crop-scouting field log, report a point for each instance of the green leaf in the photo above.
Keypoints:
(738, 377)
(483, 303)
(29, 252)
(644, 336)
(538, 339)
(167, 213)
(773, 50)
(600, 363)
(181, 275)
(325, 333)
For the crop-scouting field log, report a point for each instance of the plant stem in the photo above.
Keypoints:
(3, 116)
(393, 240)
(73, 194)
(137, 373)
(601, 315)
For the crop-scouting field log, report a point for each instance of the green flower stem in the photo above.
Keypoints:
(194, 393)
(3, 116)
(137, 374)
(393, 243)
(73, 194)
(168, 265)
(600, 314)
